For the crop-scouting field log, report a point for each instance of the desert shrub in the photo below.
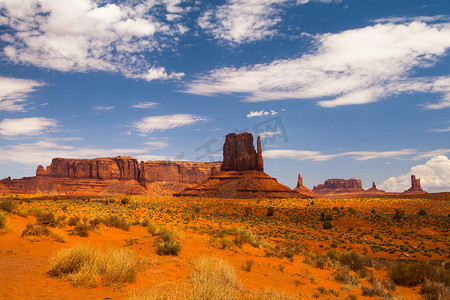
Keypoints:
(412, 274)
(73, 220)
(325, 216)
(166, 243)
(327, 225)
(355, 261)
(35, 230)
(399, 215)
(93, 223)
(270, 211)
(152, 228)
(247, 211)
(59, 235)
(241, 236)
(125, 200)
(213, 279)
(47, 218)
(432, 290)
(375, 289)
(116, 221)
(345, 275)
(351, 210)
(248, 265)
(3, 221)
(85, 265)
(422, 212)
(81, 229)
(7, 205)
(321, 261)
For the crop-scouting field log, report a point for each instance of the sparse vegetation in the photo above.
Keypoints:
(3, 222)
(167, 243)
(85, 265)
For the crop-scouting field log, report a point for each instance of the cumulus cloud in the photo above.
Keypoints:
(26, 126)
(242, 21)
(319, 156)
(157, 73)
(86, 35)
(351, 67)
(434, 177)
(42, 152)
(145, 105)
(261, 113)
(149, 124)
(14, 92)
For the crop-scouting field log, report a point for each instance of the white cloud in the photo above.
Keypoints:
(156, 144)
(351, 67)
(319, 156)
(14, 92)
(85, 35)
(269, 134)
(261, 113)
(149, 124)
(43, 151)
(104, 107)
(242, 21)
(145, 105)
(26, 126)
(157, 73)
(426, 19)
(434, 177)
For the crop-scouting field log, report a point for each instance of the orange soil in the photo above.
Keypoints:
(24, 263)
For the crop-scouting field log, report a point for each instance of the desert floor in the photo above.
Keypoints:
(278, 249)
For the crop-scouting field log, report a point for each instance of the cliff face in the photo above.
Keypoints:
(128, 168)
(331, 186)
(239, 153)
(121, 167)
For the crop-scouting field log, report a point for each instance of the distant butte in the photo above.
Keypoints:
(415, 186)
(339, 186)
(242, 174)
(303, 189)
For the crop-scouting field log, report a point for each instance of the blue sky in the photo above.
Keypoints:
(337, 89)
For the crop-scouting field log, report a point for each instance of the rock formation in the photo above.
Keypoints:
(239, 154)
(303, 189)
(339, 186)
(242, 174)
(114, 174)
(415, 186)
(374, 190)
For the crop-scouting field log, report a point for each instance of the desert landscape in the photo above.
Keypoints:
(237, 235)
(224, 150)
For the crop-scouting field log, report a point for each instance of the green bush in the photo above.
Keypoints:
(270, 211)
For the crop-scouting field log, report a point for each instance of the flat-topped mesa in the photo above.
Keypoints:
(415, 186)
(239, 153)
(332, 186)
(120, 167)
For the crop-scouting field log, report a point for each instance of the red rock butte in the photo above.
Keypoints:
(242, 174)
(339, 186)
(415, 186)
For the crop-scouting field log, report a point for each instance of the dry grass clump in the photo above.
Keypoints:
(3, 222)
(433, 290)
(213, 279)
(412, 274)
(347, 276)
(116, 221)
(88, 266)
(241, 236)
(35, 230)
(167, 243)
(7, 205)
(59, 235)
